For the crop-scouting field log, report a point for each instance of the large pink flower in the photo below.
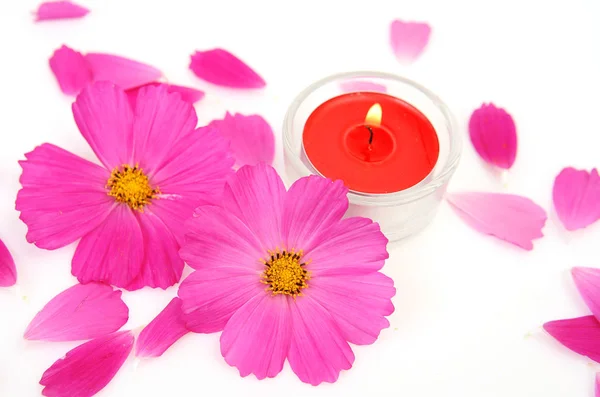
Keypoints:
(284, 277)
(129, 212)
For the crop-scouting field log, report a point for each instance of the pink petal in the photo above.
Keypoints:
(358, 303)
(582, 335)
(105, 119)
(597, 385)
(312, 205)
(222, 68)
(352, 246)
(409, 39)
(576, 196)
(257, 338)
(216, 238)
(188, 94)
(195, 168)
(111, 253)
(318, 351)
(494, 135)
(63, 196)
(71, 70)
(256, 195)
(362, 86)
(78, 313)
(124, 72)
(512, 218)
(162, 266)
(161, 121)
(251, 137)
(8, 271)
(587, 281)
(52, 10)
(86, 369)
(167, 328)
(211, 296)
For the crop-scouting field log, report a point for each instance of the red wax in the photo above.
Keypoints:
(403, 151)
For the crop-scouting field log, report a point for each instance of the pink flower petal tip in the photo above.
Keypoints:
(251, 138)
(494, 135)
(8, 271)
(71, 70)
(124, 72)
(362, 86)
(88, 368)
(222, 68)
(167, 328)
(512, 218)
(576, 196)
(188, 94)
(409, 39)
(581, 335)
(79, 313)
(587, 280)
(53, 10)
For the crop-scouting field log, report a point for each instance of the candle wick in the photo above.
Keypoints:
(370, 134)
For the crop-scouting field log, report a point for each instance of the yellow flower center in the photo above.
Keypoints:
(285, 273)
(129, 185)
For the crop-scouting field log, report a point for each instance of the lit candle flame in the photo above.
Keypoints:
(374, 116)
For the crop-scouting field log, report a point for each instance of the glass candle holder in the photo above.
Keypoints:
(402, 213)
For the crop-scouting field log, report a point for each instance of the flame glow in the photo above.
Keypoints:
(374, 115)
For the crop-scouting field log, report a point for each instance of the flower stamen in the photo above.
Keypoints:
(129, 185)
(285, 273)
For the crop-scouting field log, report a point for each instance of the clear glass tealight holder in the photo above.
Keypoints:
(399, 214)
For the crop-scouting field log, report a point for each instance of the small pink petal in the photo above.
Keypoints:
(88, 368)
(597, 386)
(52, 10)
(587, 280)
(362, 86)
(409, 39)
(512, 218)
(576, 196)
(494, 135)
(167, 328)
(124, 72)
(581, 335)
(222, 68)
(71, 70)
(251, 137)
(8, 271)
(188, 94)
(79, 313)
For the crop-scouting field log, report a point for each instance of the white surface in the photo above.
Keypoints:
(468, 308)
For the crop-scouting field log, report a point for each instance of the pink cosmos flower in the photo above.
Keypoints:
(129, 211)
(285, 277)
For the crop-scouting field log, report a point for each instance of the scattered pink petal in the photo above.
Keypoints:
(188, 94)
(126, 73)
(88, 368)
(79, 313)
(512, 218)
(581, 335)
(52, 10)
(251, 137)
(162, 332)
(222, 68)
(597, 386)
(587, 280)
(494, 135)
(409, 39)
(71, 70)
(361, 85)
(8, 271)
(576, 196)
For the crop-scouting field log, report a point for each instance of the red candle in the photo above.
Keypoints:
(374, 142)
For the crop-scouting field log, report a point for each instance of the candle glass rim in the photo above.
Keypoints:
(410, 194)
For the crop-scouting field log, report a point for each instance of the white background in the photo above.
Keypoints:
(469, 308)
